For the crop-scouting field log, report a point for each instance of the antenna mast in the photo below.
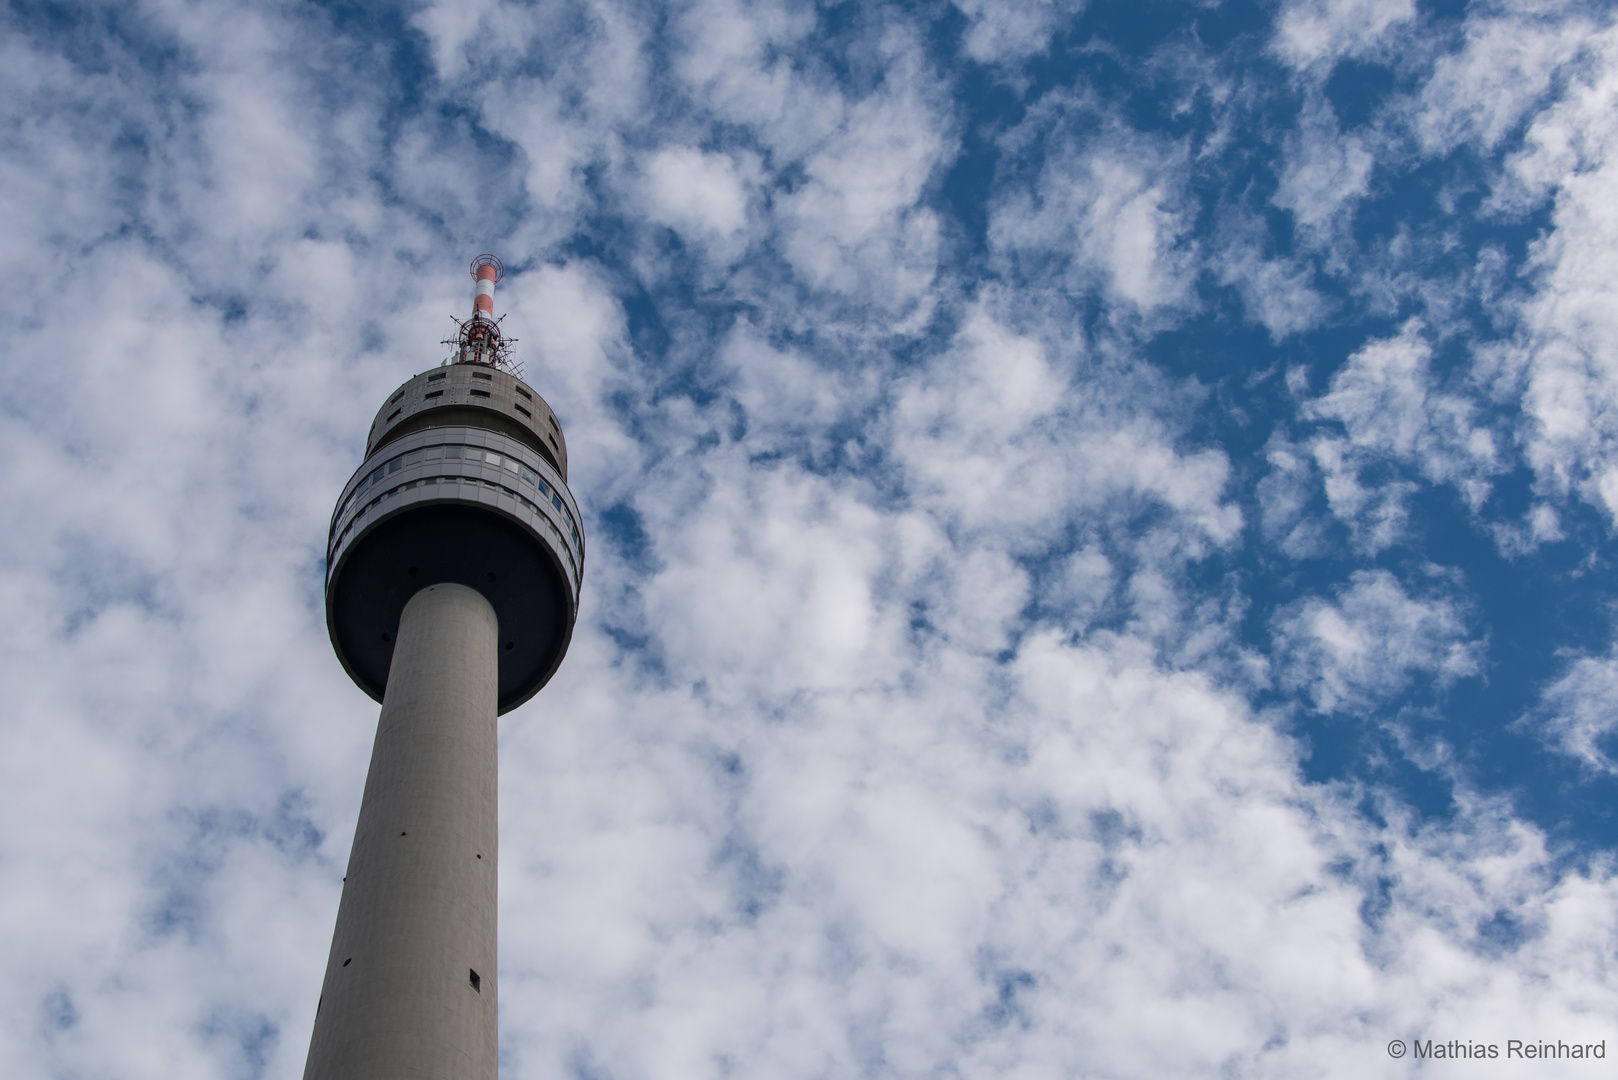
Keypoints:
(480, 340)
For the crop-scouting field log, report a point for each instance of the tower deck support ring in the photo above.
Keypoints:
(461, 504)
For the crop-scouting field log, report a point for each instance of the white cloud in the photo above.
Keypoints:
(1036, 887)
(1389, 421)
(1567, 361)
(857, 227)
(1008, 443)
(1358, 651)
(1376, 514)
(575, 350)
(1325, 172)
(1551, 74)
(1502, 73)
(1579, 711)
(1284, 496)
(998, 438)
(703, 194)
(451, 25)
(1277, 292)
(1083, 587)
(787, 397)
(771, 564)
(1386, 400)
(1008, 30)
(558, 145)
(1311, 31)
(737, 59)
(1109, 210)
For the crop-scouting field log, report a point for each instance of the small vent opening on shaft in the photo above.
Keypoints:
(477, 982)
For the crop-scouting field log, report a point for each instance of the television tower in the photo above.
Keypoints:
(453, 570)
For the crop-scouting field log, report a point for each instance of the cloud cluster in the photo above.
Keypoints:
(1361, 649)
(1104, 212)
(1567, 357)
(1576, 711)
(1391, 412)
(1311, 33)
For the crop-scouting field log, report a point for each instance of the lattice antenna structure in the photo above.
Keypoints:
(480, 340)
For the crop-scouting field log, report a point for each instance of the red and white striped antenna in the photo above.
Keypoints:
(486, 271)
(480, 340)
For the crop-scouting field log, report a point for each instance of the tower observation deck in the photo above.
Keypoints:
(454, 563)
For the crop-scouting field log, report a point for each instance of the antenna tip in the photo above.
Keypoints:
(499, 269)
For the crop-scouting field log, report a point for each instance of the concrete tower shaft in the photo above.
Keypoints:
(454, 563)
(411, 979)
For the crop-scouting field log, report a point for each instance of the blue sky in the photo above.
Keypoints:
(1101, 524)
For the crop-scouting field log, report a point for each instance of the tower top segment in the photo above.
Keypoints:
(480, 340)
(464, 482)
